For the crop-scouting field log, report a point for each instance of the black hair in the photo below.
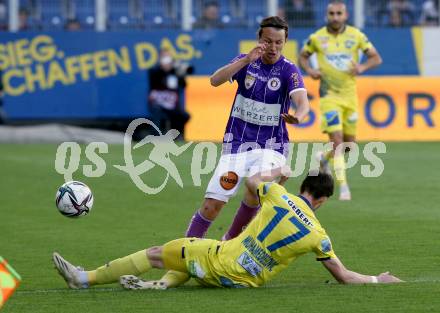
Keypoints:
(318, 186)
(273, 21)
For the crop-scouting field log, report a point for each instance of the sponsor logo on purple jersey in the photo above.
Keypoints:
(263, 94)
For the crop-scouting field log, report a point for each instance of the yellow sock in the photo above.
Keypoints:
(339, 167)
(135, 264)
(174, 278)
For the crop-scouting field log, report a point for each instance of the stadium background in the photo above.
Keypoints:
(99, 74)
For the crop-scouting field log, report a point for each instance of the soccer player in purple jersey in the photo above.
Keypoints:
(256, 137)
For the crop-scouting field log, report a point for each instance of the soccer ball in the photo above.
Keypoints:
(74, 199)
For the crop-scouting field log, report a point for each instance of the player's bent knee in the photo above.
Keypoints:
(154, 255)
(211, 208)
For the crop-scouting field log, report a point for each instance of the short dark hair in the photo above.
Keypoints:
(318, 186)
(273, 21)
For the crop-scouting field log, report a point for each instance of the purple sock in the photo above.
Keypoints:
(243, 216)
(198, 226)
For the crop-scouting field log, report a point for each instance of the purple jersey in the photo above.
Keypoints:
(263, 94)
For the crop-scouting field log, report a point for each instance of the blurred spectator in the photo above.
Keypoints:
(171, 8)
(237, 8)
(401, 13)
(23, 19)
(3, 16)
(299, 13)
(380, 7)
(136, 9)
(430, 13)
(395, 19)
(282, 13)
(167, 85)
(72, 25)
(67, 9)
(210, 17)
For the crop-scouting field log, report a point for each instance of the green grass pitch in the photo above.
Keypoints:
(391, 224)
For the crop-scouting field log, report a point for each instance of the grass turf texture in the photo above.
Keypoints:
(392, 224)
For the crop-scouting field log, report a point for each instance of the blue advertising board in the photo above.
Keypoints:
(88, 75)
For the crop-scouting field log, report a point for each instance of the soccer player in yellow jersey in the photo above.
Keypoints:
(337, 47)
(284, 229)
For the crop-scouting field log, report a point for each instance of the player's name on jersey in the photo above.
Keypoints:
(297, 211)
(258, 253)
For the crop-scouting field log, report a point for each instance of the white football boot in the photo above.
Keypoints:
(69, 272)
(135, 283)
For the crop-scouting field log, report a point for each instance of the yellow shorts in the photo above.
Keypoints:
(192, 255)
(339, 115)
(199, 258)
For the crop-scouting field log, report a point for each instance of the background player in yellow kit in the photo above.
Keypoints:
(284, 229)
(337, 48)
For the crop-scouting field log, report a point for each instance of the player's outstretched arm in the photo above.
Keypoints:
(283, 173)
(345, 276)
(302, 108)
(226, 72)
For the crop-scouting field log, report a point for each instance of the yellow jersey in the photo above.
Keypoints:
(335, 54)
(284, 229)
